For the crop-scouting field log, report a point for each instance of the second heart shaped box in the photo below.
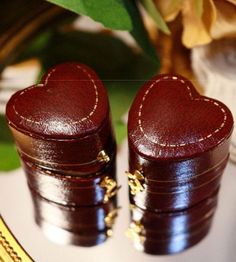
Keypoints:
(178, 145)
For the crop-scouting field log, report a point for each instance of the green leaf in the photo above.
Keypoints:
(114, 14)
(110, 57)
(121, 95)
(139, 32)
(9, 159)
(156, 16)
(35, 48)
(111, 13)
(121, 131)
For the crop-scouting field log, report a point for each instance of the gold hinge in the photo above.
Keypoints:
(111, 188)
(103, 157)
(109, 232)
(110, 218)
(110, 221)
(134, 232)
(136, 181)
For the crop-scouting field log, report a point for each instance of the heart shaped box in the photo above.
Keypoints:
(83, 226)
(72, 191)
(171, 232)
(178, 144)
(64, 123)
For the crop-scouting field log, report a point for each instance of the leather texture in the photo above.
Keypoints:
(69, 102)
(63, 133)
(167, 199)
(166, 196)
(69, 190)
(64, 122)
(179, 171)
(169, 120)
(179, 142)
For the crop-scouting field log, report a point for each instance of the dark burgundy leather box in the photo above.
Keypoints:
(63, 123)
(63, 133)
(178, 144)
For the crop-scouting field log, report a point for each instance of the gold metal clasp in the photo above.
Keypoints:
(136, 181)
(134, 232)
(111, 217)
(110, 221)
(110, 186)
(103, 157)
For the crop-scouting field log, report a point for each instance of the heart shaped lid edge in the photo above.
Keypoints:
(149, 149)
(74, 124)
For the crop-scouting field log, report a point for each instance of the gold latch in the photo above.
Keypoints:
(136, 181)
(110, 218)
(103, 157)
(110, 186)
(110, 221)
(134, 232)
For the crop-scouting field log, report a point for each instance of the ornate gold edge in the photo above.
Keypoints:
(10, 249)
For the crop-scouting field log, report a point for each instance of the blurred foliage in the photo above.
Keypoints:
(110, 57)
(100, 11)
(139, 31)
(8, 155)
(121, 94)
(114, 14)
(156, 16)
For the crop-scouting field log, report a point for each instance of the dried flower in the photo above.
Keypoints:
(203, 20)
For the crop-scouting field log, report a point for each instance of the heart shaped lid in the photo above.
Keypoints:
(169, 120)
(70, 102)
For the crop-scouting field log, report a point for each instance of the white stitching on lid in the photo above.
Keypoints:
(46, 81)
(191, 96)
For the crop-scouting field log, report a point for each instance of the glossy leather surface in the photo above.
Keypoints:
(64, 122)
(70, 102)
(190, 182)
(178, 171)
(74, 157)
(170, 197)
(158, 200)
(69, 190)
(169, 120)
(179, 142)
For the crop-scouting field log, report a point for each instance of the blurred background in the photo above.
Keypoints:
(126, 42)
